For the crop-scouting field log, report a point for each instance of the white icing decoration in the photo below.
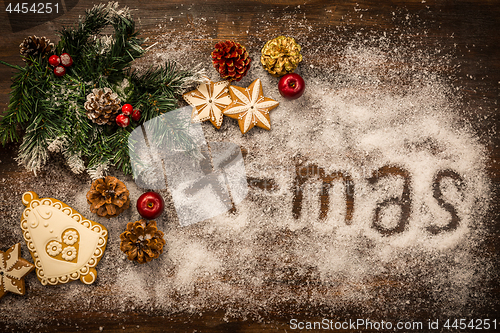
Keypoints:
(70, 237)
(47, 215)
(91, 281)
(69, 253)
(54, 248)
(30, 198)
(9, 286)
(33, 219)
(11, 259)
(78, 257)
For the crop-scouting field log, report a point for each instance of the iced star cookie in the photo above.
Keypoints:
(208, 100)
(64, 245)
(13, 269)
(250, 107)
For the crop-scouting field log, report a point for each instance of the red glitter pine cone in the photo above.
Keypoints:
(231, 60)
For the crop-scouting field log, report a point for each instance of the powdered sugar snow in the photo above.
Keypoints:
(351, 123)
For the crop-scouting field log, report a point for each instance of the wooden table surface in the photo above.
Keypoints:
(467, 29)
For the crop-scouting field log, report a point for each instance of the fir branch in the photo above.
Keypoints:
(12, 66)
(33, 152)
(158, 89)
(50, 110)
(96, 64)
(98, 171)
(121, 157)
(73, 40)
(29, 84)
(165, 78)
(62, 145)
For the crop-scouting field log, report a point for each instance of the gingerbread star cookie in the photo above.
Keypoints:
(208, 101)
(250, 107)
(13, 269)
(65, 246)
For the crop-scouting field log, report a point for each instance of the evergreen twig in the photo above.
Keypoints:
(50, 112)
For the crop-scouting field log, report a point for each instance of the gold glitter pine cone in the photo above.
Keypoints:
(281, 56)
(231, 60)
(142, 241)
(34, 46)
(102, 106)
(108, 197)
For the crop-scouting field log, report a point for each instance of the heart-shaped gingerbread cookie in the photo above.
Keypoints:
(64, 245)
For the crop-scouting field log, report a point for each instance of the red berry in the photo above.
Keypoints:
(66, 60)
(122, 120)
(59, 71)
(136, 115)
(127, 109)
(54, 60)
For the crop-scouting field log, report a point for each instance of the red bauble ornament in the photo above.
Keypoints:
(54, 60)
(291, 86)
(122, 120)
(136, 115)
(127, 109)
(59, 71)
(66, 60)
(150, 205)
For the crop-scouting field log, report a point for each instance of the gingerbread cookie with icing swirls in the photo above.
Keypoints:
(64, 245)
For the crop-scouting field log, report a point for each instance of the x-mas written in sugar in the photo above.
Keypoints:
(310, 174)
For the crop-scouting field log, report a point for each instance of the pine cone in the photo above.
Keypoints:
(108, 197)
(281, 55)
(142, 241)
(231, 60)
(102, 106)
(34, 46)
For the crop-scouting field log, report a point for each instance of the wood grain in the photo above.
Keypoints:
(468, 29)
